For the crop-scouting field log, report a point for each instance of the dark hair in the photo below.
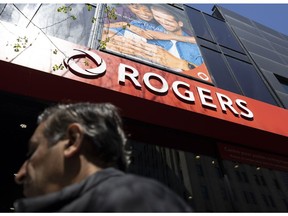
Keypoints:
(102, 125)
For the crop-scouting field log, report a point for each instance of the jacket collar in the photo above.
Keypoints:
(54, 201)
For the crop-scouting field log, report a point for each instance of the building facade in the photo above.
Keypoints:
(204, 99)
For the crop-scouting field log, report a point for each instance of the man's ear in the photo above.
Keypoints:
(180, 23)
(75, 135)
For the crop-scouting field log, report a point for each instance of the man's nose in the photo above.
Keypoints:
(21, 174)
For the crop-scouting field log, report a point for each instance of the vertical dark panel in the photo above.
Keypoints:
(198, 23)
(249, 80)
(220, 72)
(223, 34)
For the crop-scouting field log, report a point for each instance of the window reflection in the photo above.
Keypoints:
(220, 72)
(73, 24)
(223, 34)
(198, 23)
(249, 80)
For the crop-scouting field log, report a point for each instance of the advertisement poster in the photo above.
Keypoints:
(159, 34)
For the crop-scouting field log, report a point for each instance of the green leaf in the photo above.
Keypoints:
(89, 7)
(86, 63)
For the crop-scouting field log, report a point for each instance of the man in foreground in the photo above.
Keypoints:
(70, 166)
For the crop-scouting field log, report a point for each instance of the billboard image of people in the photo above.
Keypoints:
(155, 33)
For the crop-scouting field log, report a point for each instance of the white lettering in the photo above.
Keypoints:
(242, 105)
(205, 97)
(128, 72)
(163, 89)
(122, 74)
(226, 102)
(189, 96)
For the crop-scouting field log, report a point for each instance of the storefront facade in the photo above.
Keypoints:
(213, 131)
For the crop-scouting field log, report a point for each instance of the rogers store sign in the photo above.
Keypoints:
(159, 85)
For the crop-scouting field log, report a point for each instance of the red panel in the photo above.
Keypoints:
(266, 131)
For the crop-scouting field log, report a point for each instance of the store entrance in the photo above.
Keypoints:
(18, 121)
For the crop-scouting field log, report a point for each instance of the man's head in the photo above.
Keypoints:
(142, 11)
(71, 142)
(167, 18)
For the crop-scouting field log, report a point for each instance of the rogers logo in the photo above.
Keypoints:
(203, 76)
(91, 72)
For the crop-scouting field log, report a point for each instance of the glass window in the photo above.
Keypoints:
(284, 82)
(265, 200)
(257, 180)
(280, 48)
(267, 30)
(245, 177)
(234, 194)
(245, 26)
(222, 34)
(252, 37)
(253, 199)
(239, 177)
(246, 197)
(269, 65)
(219, 172)
(263, 180)
(204, 192)
(2, 7)
(208, 44)
(272, 201)
(235, 54)
(14, 13)
(223, 193)
(232, 15)
(249, 80)
(275, 39)
(198, 23)
(217, 67)
(277, 184)
(199, 170)
(264, 51)
(285, 203)
(71, 22)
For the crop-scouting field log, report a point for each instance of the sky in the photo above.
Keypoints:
(274, 16)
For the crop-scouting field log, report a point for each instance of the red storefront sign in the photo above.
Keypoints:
(157, 84)
(143, 93)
